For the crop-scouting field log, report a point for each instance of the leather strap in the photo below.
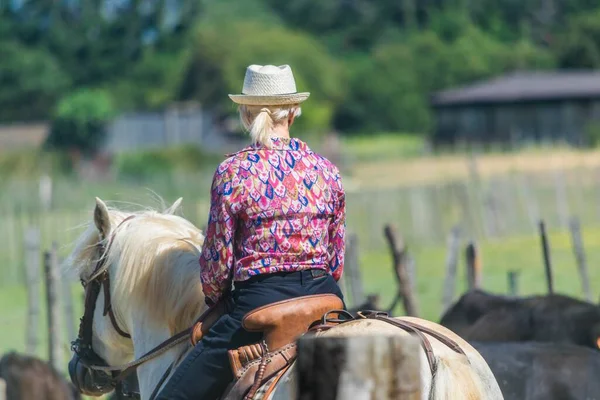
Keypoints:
(276, 361)
(415, 329)
(108, 307)
(273, 384)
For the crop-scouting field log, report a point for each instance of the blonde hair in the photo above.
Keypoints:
(259, 121)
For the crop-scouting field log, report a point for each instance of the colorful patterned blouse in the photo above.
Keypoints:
(279, 209)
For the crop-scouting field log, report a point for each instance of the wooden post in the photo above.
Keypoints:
(513, 283)
(399, 257)
(2, 389)
(473, 267)
(577, 241)
(451, 262)
(546, 254)
(55, 349)
(352, 270)
(46, 192)
(382, 367)
(32, 275)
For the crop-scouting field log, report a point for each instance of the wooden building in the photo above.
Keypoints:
(520, 108)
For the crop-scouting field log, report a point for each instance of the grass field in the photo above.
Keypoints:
(380, 162)
(378, 165)
(522, 254)
(518, 253)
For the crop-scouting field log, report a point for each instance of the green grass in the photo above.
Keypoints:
(382, 146)
(519, 253)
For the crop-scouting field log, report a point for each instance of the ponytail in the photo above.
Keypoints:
(259, 122)
(261, 127)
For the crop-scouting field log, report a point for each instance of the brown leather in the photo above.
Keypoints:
(277, 361)
(241, 357)
(273, 384)
(282, 322)
(206, 321)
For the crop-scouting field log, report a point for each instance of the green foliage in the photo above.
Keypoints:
(136, 49)
(381, 146)
(80, 121)
(86, 105)
(151, 163)
(387, 92)
(31, 80)
(579, 45)
(219, 69)
(592, 133)
(370, 66)
(25, 164)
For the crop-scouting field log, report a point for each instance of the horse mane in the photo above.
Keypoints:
(157, 256)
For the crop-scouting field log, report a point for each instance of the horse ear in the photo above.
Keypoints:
(174, 207)
(101, 218)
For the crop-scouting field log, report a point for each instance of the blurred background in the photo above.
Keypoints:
(456, 121)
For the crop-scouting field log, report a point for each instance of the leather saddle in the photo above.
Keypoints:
(281, 323)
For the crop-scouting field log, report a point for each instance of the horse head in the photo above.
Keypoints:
(142, 284)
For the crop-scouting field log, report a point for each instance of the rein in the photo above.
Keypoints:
(82, 346)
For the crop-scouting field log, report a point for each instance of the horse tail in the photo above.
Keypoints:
(456, 379)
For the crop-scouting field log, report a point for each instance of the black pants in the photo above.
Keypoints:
(205, 373)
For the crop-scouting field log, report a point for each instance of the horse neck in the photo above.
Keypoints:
(145, 337)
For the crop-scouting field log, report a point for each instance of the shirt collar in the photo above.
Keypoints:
(277, 143)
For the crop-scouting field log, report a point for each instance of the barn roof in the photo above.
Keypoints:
(524, 87)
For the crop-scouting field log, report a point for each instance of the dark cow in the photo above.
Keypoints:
(482, 316)
(543, 371)
(29, 378)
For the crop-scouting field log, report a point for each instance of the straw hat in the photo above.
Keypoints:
(269, 85)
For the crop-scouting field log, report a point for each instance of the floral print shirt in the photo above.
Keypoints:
(272, 210)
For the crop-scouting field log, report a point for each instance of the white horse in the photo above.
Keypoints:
(155, 291)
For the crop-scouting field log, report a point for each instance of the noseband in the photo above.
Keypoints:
(89, 372)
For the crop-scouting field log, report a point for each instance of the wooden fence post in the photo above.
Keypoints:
(513, 283)
(383, 367)
(55, 349)
(546, 254)
(352, 270)
(451, 262)
(400, 260)
(32, 275)
(473, 267)
(577, 241)
(46, 192)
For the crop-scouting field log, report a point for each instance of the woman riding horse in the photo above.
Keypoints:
(276, 229)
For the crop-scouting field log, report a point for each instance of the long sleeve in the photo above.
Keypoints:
(217, 258)
(337, 237)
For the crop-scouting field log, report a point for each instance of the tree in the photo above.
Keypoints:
(79, 122)
(109, 44)
(579, 45)
(385, 94)
(31, 80)
(223, 52)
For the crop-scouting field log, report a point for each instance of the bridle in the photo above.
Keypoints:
(89, 372)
